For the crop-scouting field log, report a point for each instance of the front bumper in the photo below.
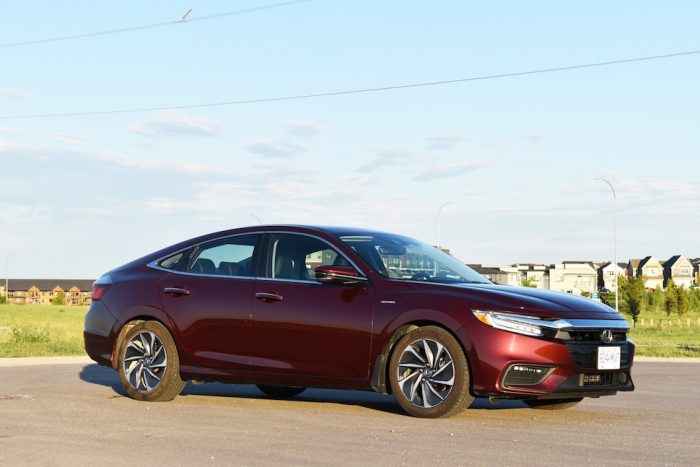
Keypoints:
(560, 368)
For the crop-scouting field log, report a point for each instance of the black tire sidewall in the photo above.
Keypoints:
(171, 381)
(459, 396)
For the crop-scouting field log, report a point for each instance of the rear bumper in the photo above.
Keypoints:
(99, 333)
(564, 369)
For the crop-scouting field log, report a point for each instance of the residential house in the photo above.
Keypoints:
(649, 268)
(696, 270)
(43, 291)
(536, 274)
(606, 274)
(490, 273)
(574, 277)
(679, 269)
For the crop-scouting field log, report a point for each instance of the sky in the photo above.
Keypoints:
(517, 156)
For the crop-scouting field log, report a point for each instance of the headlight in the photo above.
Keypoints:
(527, 325)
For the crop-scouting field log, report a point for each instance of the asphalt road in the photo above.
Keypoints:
(77, 415)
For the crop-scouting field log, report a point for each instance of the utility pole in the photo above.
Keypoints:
(617, 291)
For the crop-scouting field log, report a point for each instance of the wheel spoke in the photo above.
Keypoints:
(433, 390)
(153, 375)
(415, 354)
(146, 347)
(436, 359)
(414, 387)
(448, 382)
(411, 365)
(428, 352)
(447, 364)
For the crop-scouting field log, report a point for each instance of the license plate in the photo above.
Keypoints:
(608, 358)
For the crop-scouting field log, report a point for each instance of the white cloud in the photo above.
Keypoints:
(445, 141)
(12, 130)
(169, 124)
(15, 95)
(303, 128)
(385, 157)
(535, 137)
(67, 139)
(450, 170)
(274, 148)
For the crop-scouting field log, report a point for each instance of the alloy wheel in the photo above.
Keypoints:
(426, 373)
(145, 360)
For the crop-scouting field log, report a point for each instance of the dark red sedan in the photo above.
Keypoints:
(291, 307)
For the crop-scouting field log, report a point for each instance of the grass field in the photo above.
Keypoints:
(46, 330)
(41, 330)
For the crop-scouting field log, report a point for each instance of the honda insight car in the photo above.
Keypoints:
(292, 307)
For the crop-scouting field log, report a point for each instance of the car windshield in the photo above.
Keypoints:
(403, 258)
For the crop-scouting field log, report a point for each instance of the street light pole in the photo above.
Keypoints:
(438, 221)
(617, 292)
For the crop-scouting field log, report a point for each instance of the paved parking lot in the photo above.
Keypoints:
(76, 414)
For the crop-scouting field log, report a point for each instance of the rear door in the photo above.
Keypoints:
(301, 326)
(209, 300)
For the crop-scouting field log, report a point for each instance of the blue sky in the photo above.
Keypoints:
(518, 156)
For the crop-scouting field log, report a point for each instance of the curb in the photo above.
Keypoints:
(35, 361)
(667, 359)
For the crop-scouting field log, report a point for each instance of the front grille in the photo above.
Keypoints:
(603, 379)
(595, 336)
(585, 354)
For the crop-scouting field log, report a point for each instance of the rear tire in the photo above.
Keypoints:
(429, 374)
(552, 404)
(148, 362)
(280, 392)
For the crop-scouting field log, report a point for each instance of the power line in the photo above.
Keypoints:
(356, 91)
(184, 19)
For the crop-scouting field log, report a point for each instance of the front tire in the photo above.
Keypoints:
(148, 362)
(552, 404)
(429, 374)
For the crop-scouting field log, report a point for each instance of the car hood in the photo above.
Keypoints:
(543, 303)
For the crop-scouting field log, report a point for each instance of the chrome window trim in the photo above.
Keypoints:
(154, 264)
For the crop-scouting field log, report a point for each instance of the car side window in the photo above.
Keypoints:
(295, 256)
(232, 256)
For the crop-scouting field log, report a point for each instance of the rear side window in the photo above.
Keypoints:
(171, 262)
(231, 256)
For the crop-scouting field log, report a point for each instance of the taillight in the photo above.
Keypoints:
(100, 286)
(98, 290)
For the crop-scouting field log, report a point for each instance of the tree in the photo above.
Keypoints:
(656, 299)
(59, 299)
(683, 301)
(695, 299)
(634, 293)
(528, 282)
(3, 299)
(671, 298)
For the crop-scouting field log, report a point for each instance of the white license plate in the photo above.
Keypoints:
(608, 358)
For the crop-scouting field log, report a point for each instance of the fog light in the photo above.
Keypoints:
(526, 375)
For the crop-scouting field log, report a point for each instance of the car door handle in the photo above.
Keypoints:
(269, 297)
(176, 291)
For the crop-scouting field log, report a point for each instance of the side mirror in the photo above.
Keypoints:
(341, 275)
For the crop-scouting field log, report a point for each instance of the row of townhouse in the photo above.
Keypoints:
(579, 277)
(43, 291)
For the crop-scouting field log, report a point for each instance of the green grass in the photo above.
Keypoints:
(41, 330)
(666, 340)
(46, 330)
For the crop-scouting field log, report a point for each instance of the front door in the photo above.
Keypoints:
(303, 327)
